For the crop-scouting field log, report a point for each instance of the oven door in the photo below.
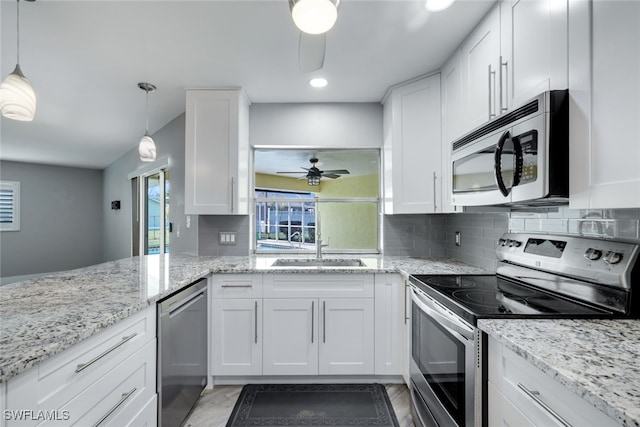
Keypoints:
(445, 387)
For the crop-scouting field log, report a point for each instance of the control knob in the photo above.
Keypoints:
(612, 257)
(593, 254)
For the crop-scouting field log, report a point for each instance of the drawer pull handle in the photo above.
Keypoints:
(243, 285)
(535, 395)
(82, 366)
(125, 396)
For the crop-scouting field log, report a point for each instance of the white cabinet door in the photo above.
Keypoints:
(290, 345)
(236, 337)
(534, 49)
(216, 152)
(604, 89)
(501, 412)
(451, 75)
(480, 68)
(412, 151)
(391, 325)
(346, 336)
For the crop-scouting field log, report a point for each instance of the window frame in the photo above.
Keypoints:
(14, 186)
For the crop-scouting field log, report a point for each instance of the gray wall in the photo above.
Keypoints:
(60, 219)
(117, 224)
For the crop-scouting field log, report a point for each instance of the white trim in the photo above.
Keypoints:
(150, 168)
(14, 187)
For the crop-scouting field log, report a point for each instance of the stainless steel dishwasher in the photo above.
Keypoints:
(182, 352)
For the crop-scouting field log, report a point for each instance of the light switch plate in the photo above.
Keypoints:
(228, 238)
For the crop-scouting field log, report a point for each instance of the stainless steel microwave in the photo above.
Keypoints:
(519, 158)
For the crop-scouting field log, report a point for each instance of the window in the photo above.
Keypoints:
(151, 226)
(9, 206)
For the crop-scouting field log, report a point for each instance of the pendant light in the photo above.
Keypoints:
(146, 147)
(314, 16)
(17, 98)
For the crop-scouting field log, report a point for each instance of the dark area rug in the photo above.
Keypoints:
(313, 405)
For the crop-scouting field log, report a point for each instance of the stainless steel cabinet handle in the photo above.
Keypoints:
(125, 396)
(313, 304)
(255, 326)
(232, 182)
(243, 285)
(535, 395)
(406, 311)
(435, 206)
(324, 321)
(489, 74)
(82, 366)
(504, 106)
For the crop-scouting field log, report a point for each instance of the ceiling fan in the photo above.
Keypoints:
(314, 174)
(314, 18)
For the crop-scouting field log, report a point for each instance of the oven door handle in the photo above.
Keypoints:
(455, 326)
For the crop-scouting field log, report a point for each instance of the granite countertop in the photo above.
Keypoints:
(42, 317)
(597, 359)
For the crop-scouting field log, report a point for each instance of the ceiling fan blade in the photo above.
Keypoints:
(337, 171)
(311, 49)
(330, 175)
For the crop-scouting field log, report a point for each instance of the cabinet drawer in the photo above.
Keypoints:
(236, 285)
(537, 395)
(72, 371)
(318, 286)
(117, 397)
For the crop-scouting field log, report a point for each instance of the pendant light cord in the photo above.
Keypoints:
(18, 35)
(147, 109)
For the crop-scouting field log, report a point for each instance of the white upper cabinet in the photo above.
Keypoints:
(451, 75)
(534, 49)
(217, 152)
(412, 148)
(604, 90)
(480, 68)
(518, 50)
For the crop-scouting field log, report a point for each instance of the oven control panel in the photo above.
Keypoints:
(607, 262)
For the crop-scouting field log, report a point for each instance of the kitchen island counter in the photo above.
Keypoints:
(596, 359)
(42, 317)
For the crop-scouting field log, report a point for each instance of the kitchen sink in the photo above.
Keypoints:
(313, 262)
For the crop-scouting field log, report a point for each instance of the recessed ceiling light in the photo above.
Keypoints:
(318, 82)
(438, 5)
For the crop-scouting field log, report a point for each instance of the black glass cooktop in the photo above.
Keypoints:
(489, 296)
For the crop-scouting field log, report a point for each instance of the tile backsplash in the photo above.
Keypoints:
(601, 223)
(414, 235)
(209, 228)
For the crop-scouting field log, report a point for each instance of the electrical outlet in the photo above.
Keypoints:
(457, 238)
(228, 238)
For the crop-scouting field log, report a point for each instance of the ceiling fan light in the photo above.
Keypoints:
(17, 98)
(314, 16)
(438, 5)
(313, 180)
(147, 148)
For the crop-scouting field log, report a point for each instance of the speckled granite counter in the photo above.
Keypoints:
(597, 359)
(42, 317)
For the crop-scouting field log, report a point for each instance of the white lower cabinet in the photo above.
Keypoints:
(328, 336)
(391, 325)
(291, 337)
(105, 379)
(236, 337)
(520, 394)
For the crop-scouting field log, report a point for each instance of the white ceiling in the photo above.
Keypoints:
(85, 58)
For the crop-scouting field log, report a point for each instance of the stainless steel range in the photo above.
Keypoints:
(538, 276)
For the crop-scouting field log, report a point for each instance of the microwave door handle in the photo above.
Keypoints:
(497, 165)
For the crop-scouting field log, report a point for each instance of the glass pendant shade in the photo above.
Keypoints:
(17, 98)
(314, 16)
(147, 148)
(438, 5)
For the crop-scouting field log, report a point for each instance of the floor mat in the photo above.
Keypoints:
(313, 405)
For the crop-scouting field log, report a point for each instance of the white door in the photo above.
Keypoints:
(236, 337)
(290, 345)
(346, 336)
(534, 49)
(480, 68)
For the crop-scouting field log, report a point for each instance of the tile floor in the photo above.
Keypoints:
(215, 406)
